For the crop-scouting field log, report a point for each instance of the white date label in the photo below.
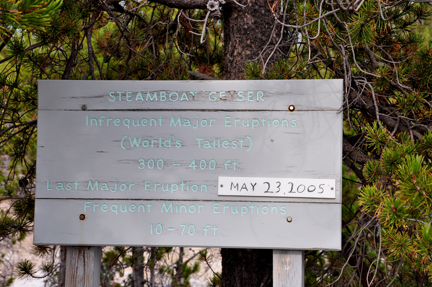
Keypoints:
(277, 187)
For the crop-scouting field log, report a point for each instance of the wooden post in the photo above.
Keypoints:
(288, 268)
(83, 265)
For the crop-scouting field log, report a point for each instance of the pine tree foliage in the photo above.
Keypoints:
(26, 14)
(371, 45)
(398, 197)
(163, 266)
(385, 65)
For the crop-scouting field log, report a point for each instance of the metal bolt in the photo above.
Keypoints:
(289, 219)
(82, 216)
(84, 107)
(291, 108)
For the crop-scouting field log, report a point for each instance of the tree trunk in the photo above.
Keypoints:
(247, 267)
(248, 36)
(152, 264)
(138, 266)
(178, 275)
(62, 271)
(251, 35)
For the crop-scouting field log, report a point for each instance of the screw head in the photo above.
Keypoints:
(82, 216)
(291, 108)
(289, 219)
(84, 107)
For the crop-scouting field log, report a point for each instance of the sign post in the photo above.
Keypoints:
(242, 164)
(83, 266)
(288, 268)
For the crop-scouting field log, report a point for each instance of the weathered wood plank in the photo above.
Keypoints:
(288, 268)
(187, 95)
(237, 224)
(70, 148)
(83, 265)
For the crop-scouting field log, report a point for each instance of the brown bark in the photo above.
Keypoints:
(138, 266)
(357, 155)
(62, 271)
(250, 35)
(182, 4)
(70, 63)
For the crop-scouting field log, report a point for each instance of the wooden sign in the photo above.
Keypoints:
(254, 164)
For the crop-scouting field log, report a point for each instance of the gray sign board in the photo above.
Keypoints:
(253, 164)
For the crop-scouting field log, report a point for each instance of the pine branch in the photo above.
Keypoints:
(202, 76)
